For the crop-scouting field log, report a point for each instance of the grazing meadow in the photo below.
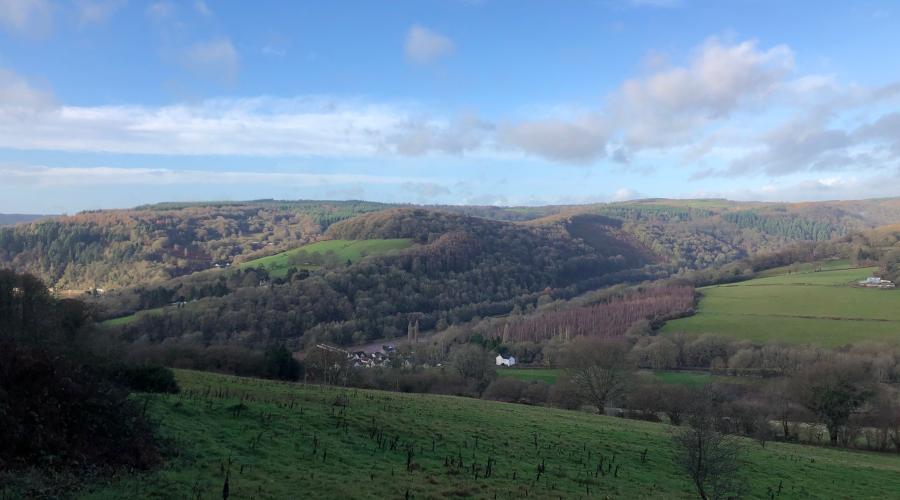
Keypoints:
(343, 250)
(808, 307)
(264, 439)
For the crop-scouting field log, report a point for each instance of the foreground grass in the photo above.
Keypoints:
(804, 308)
(290, 441)
(344, 250)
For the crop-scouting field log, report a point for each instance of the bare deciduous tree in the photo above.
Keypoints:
(711, 458)
(600, 369)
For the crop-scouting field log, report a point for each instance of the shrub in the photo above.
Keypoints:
(505, 389)
(144, 378)
(564, 394)
(55, 413)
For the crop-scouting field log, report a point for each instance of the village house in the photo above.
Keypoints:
(876, 282)
(501, 361)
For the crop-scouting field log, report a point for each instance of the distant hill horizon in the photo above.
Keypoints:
(13, 219)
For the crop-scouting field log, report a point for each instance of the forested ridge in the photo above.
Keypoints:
(463, 267)
(115, 248)
(465, 262)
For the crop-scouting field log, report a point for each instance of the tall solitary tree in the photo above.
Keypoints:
(600, 369)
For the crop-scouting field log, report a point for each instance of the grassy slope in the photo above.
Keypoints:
(273, 455)
(549, 375)
(806, 307)
(344, 250)
(124, 320)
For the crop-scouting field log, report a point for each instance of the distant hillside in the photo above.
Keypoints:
(116, 248)
(698, 234)
(13, 219)
(153, 243)
(460, 267)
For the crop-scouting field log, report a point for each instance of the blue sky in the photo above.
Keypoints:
(114, 103)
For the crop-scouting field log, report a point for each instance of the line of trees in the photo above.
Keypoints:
(612, 319)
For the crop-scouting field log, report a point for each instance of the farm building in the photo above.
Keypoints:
(501, 361)
(876, 282)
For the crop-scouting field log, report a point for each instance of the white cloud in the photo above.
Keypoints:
(266, 126)
(18, 96)
(50, 177)
(669, 106)
(217, 58)
(625, 194)
(424, 46)
(838, 187)
(32, 18)
(97, 11)
(422, 136)
(805, 144)
(581, 140)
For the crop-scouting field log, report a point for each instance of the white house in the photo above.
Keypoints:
(876, 282)
(501, 361)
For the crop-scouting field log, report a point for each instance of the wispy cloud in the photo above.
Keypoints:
(47, 177)
(216, 58)
(97, 11)
(424, 46)
(159, 11)
(28, 18)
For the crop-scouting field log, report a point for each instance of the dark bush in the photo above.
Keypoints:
(144, 378)
(55, 413)
(564, 394)
(505, 389)
(535, 394)
(279, 363)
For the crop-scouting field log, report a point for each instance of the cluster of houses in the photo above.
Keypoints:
(362, 359)
(876, 282)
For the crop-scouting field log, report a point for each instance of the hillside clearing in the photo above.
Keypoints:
(342, 250)
(804, 308)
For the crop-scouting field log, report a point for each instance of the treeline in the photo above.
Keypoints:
(610, 320)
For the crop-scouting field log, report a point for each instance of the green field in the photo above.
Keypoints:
(124, 320)
(291, 441)
(804, 308)
(549, 375)
(344, 250)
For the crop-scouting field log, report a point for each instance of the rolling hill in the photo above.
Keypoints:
(454, 268)
(153, 243)
(13, 219)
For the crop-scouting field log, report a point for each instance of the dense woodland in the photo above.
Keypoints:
(115, 248)
(463, 268)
